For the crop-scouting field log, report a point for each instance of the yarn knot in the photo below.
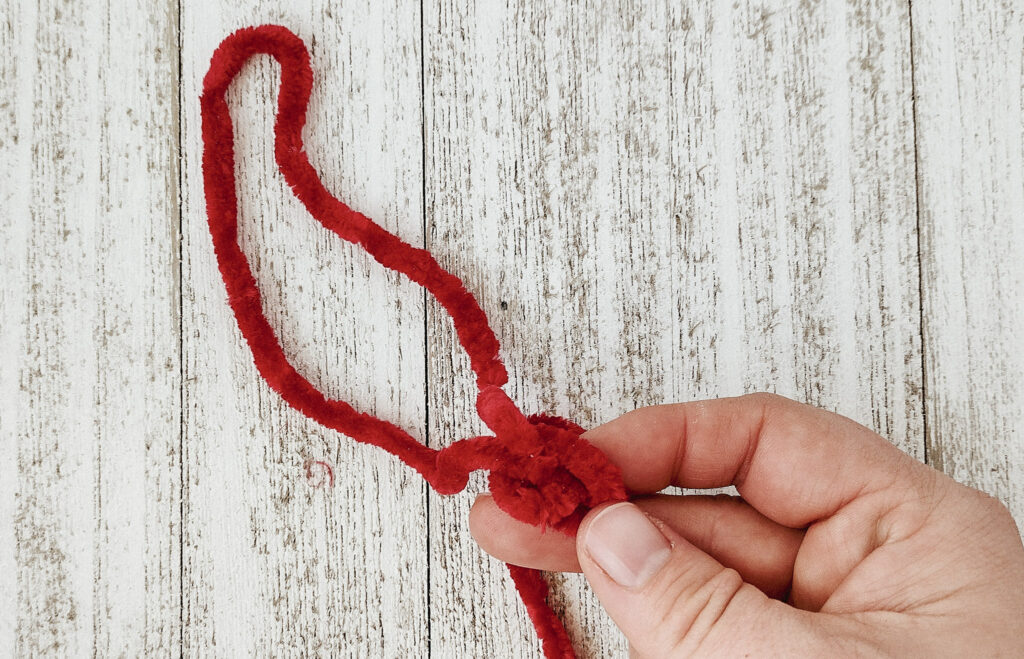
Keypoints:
(542, 471)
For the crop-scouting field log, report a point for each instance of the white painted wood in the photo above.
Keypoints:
(89, 379)
(652, 201)
(276, 562)
(970, 139)
(821, 135)
(655, 203)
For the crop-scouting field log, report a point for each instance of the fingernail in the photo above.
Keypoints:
(626, 545)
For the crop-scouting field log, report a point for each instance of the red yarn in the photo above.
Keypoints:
(541, 471)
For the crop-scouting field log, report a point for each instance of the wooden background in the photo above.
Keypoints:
(653, 201)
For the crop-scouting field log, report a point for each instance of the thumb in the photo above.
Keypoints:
(670, 598)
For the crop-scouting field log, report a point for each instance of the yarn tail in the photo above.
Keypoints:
(533, 590)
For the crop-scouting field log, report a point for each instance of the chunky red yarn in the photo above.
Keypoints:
(541, 471)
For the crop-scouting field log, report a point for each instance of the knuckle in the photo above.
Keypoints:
(995, 510)
(691, 612)
(767, 399)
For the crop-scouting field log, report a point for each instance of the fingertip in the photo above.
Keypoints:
(620, 438)
(518, 543)
(657, 587)
(479, 520)
(588, 521)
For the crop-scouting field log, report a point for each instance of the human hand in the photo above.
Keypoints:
(840, 545)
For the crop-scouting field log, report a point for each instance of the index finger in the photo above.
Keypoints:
(794, 463)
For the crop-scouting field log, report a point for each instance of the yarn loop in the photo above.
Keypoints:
(542, 471)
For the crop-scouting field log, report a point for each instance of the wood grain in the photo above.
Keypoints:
(276, 560)
(970, 139)
(89, 511)
(653, 201)
(656, 203)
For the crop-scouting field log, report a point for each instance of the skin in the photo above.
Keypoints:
(839, 545)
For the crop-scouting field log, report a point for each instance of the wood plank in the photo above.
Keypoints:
(825, 193)
(89, 379)
(968, 80)
(276, 560)
(658, 203)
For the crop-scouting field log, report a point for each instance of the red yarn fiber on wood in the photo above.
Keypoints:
(541, 470)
